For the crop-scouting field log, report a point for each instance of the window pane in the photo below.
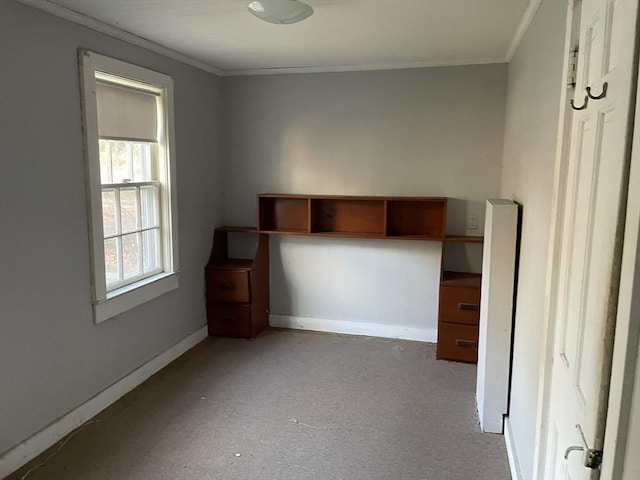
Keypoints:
(149, 200)
(128, 209)
(141, 154)
(111, 263)
(105, 164)
(109, 212)
(121, 161)
(130, 256)
(151, 250)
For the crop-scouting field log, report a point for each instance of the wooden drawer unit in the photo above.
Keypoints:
(237, 290)
(459, 304)
(458, 342)
(459, 317)
(228, 285)
(229, 320)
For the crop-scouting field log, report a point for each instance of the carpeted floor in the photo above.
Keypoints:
(290, 405)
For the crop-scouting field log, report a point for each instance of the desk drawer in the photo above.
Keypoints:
(228, 286)
(459, 305)
(457, 342)
(229, 320)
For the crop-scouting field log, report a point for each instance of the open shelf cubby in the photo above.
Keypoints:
(283, 214)
(424, 218)
(347, 216)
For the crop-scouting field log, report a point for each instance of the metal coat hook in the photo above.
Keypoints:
(586, 101)
(605, 85)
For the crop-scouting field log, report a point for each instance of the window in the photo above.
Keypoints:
(131, 181)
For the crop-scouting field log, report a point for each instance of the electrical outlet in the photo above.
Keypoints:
(472, 222)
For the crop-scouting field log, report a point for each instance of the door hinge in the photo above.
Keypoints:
(572, 67)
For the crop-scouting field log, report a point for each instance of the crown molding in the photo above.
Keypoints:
(360, 67)
(98, 26)
(527, 18)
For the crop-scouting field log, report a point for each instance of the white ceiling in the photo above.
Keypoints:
(341, 35)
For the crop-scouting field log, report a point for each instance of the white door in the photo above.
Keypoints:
(590, 246)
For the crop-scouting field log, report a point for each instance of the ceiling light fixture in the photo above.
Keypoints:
(281, 12)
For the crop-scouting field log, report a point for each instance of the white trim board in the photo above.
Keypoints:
(48, 436)
(565, 116)
(514, 465)
(359, 67)
(98, 26)
(399, 332)
(523, 26)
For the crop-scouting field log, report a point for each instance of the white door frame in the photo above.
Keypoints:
(626, 360)
(555, 236)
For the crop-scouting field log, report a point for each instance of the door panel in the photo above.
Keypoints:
(613, 36)
(590, 247)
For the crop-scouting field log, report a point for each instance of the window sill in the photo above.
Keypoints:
(126, 298)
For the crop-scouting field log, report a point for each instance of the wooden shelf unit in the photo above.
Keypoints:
(409, 218)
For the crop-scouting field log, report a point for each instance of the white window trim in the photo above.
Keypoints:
(109, 304)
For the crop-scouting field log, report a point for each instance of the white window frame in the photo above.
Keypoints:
(109, 304)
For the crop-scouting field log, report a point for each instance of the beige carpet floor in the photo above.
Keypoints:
(289, 405)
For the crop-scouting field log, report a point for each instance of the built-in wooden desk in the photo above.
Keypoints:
(238, 291)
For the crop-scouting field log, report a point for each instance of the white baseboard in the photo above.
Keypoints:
(354, 328)
(48, 436)
(514, 466)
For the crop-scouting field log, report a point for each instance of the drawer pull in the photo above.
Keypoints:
(227, 286)
(469, 306)
(466, 343)
(226, 319)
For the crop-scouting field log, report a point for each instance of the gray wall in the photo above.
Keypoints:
(533, 98)
(431, 132)
(52, 356)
